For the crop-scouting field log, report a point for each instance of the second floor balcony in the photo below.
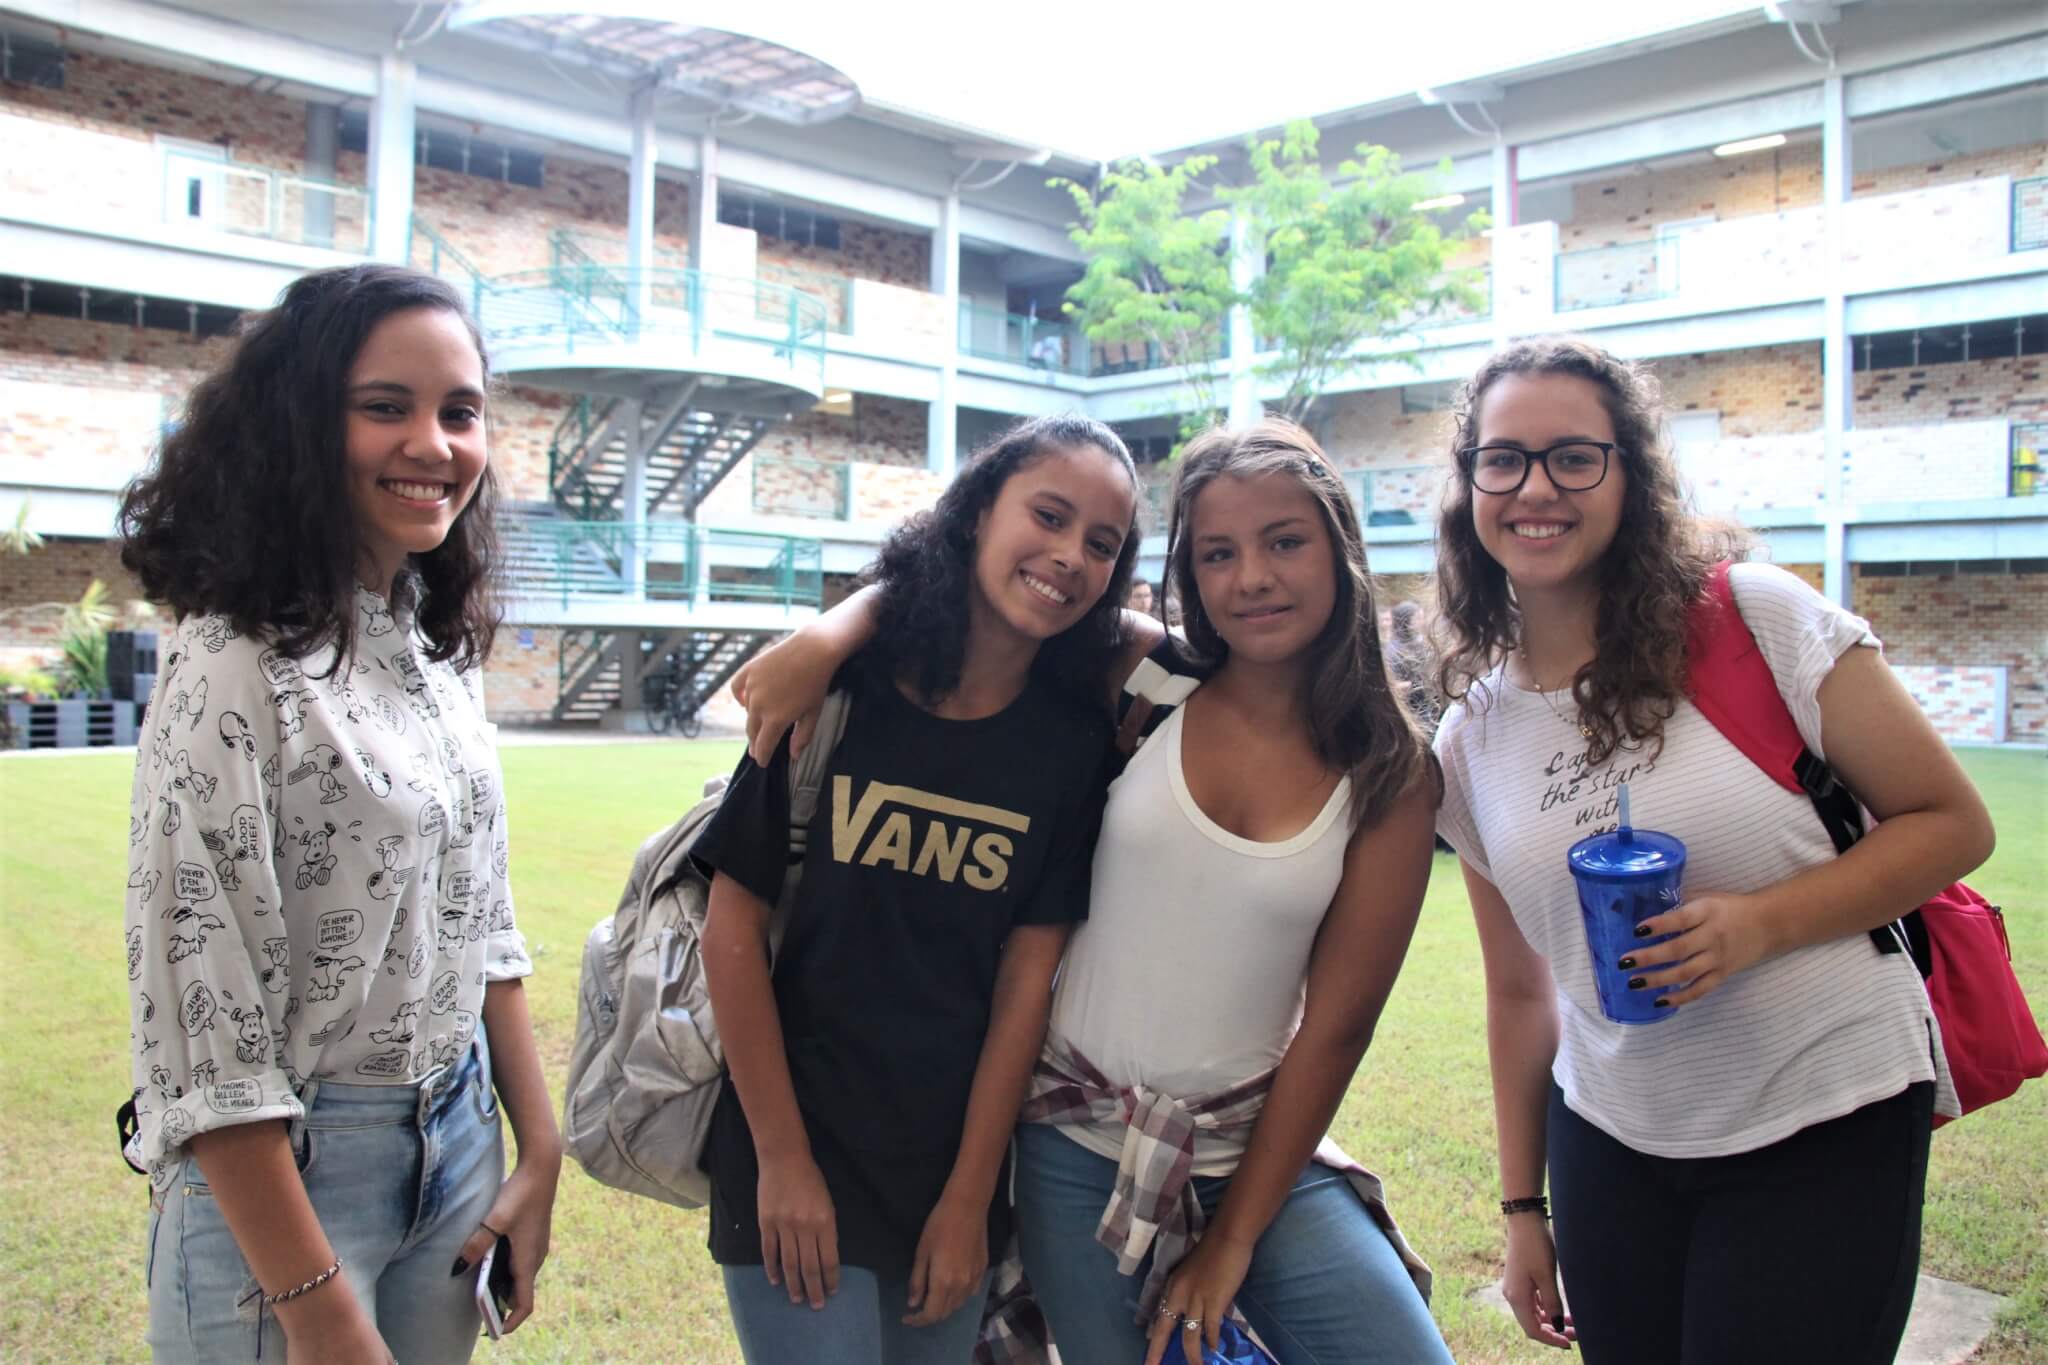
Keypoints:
(167, 188)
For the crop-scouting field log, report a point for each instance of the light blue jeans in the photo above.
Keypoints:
(862, 1324)
(1325, 1287)
(399, 1175)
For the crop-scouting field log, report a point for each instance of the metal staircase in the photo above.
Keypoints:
(691, 448)
(592, 667)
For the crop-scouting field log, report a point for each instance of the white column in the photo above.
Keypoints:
(704, 201)
(1247, 263)
(640, 205)
(1837, 375)
(942, 418)
(633, 496)
(322, 137)
(392, 134)
(1505, 216)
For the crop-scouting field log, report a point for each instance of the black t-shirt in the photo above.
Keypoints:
(932, 838)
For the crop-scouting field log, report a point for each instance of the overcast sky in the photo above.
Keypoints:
(1106, 78)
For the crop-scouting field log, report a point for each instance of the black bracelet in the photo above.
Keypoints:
(1534, 1203)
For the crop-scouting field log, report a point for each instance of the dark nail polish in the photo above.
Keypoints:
(1662, 1004)
(1635, 983)
(1626, 963)
(461, 1264)
(1557, 1322)
(1642, 931)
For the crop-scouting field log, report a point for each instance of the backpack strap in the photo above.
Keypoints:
(1730, 681)
(1161, 681)
(808, 770)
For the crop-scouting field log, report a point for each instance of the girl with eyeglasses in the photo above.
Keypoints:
(1742, 1180)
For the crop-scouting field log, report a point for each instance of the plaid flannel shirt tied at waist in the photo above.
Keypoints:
(1153, 1205)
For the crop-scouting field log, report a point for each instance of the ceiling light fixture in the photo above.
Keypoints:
(1750, 144)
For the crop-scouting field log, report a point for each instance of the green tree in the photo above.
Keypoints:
(1157, 275)
(1348, 258)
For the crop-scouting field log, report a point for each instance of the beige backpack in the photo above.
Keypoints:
(644, 1073)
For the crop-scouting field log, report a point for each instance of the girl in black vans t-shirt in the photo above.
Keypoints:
(857, 1151)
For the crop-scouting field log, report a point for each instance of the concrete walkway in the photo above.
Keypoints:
(1949, 1322)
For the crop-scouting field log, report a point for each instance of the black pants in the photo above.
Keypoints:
(1803, 1251)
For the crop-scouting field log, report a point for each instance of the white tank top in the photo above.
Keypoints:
(1189, 973)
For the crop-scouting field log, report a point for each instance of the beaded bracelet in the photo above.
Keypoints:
(1533, 1203)
(270, 1300)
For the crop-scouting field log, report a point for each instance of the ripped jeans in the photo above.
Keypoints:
(399, 1175)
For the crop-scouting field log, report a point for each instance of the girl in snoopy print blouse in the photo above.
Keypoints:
(326, 1005)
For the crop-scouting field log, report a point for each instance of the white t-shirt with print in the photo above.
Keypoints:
(316, 883)
(1805, 1037)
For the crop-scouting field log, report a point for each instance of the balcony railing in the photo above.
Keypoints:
(1602, 276)
(833, 292)
(2030, 213)
(787, 486)
(260, 201)
(581, 561)
(1041, 343)
(2028, 475)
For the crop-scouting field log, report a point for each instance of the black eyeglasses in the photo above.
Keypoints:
(1573, 466)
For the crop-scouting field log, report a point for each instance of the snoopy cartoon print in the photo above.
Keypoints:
(417, 692)
(377, 618)
(404, 1026)
(374, 777)
(189, 928)
(393, 877)
(235, 734)
(252, 1033)
(185, 777)
(322, 762)
(330, 973)
(189, 706)
(291, 710)
(277, 977)
(214, 632)
(316, 864)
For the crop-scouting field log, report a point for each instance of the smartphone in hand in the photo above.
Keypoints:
(494, 1287)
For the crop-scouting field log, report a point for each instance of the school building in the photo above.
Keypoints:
(745, 319)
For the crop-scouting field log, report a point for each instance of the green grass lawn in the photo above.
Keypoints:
(629, 1279)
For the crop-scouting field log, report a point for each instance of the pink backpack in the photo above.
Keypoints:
(1956, 939)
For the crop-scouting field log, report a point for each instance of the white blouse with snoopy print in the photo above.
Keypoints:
(316, 883)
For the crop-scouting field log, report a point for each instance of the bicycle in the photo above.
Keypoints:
(672, 706)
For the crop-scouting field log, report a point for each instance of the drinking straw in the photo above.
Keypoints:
(1624, 809)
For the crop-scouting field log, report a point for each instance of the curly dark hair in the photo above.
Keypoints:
(1657, 566)
(246, 513)
(926, 567)
(1356, 719)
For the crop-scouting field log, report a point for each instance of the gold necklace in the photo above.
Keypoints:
(1550, 697)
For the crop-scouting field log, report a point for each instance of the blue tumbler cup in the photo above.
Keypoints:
(1624, 878)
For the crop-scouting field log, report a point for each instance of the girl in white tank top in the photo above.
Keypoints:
(1261, 866)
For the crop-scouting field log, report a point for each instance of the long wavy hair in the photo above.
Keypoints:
(1356, 720)
(1655, 569)
(926, 572)
(246, 511)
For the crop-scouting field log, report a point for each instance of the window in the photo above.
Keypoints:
(778, 222)
(51, 299)
(456, 152)
(31, 61)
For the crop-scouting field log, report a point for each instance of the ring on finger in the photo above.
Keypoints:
(1167, 1310)
(1190, 1324)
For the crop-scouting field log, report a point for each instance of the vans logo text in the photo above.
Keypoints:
(948, 835)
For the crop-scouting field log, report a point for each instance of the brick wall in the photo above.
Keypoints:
(2011, 387)
(1969, 620)
(865, 252)
(2020, 162)
(33, 587)
(129, 100)
(1628, 207)
(522, 680)
(521, 421)
(1764, 391)
(503, 228)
